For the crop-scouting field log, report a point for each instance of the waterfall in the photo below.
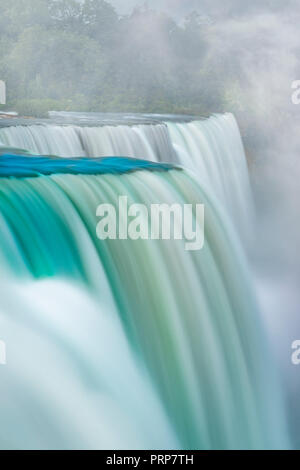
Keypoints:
(126, 343)
(40, 139)
(138, 141)
(210, 147)
(214, 150)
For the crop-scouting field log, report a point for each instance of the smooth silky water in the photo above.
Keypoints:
(130, 343)
(126, 343)
(210, 147)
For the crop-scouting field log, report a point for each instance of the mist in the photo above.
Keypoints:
(186, 57)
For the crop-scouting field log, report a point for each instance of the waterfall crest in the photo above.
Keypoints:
(210, 147)
(128, 343)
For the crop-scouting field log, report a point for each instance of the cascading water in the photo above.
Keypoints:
(211, 147)
(126, 343)
(47, 140)
(214, 150)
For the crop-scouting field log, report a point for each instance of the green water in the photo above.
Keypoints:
(184, 362)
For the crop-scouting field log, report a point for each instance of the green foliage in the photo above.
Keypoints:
(39, 107)
(80, 55)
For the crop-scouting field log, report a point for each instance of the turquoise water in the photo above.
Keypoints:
(21, 165)
(126, 343)
(212, 148)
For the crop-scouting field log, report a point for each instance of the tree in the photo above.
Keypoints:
(94, 18)
(100, 20)
(18, 15)
(56, 66)
(66, 14)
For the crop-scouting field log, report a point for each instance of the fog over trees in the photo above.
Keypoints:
(72, 55)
